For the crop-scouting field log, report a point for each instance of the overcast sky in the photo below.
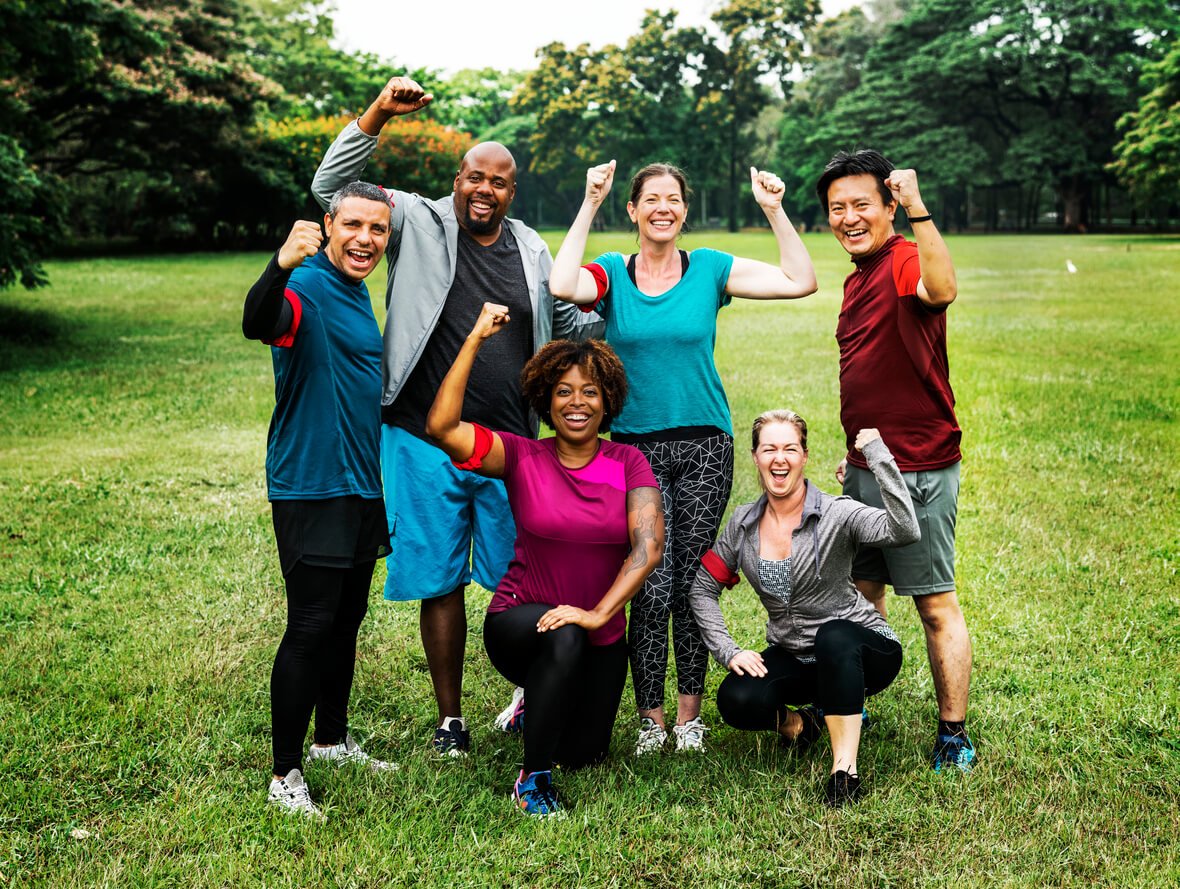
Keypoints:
(456, 34)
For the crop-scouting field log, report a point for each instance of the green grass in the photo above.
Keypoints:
(141, 603)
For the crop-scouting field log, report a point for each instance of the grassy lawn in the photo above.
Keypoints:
(141, 604)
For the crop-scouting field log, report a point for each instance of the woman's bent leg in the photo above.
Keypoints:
(313, 597)
(754, 704)
(585, 738)
(546, 665)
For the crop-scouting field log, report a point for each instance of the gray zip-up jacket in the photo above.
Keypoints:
(420, 258)
(822, 549)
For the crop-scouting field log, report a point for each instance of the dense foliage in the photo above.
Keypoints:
(198, 122)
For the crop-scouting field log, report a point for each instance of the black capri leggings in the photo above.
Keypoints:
(572, 689)
(314, 664)
(851, 663)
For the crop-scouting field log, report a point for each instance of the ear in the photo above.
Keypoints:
(328, 224)
(631, 210)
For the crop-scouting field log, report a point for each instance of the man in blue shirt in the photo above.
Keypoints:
(323, 473)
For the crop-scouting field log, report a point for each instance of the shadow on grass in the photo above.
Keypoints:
(31, 336)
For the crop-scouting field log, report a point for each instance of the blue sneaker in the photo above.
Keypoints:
(536, 795)
(866, 721)
(953, 750)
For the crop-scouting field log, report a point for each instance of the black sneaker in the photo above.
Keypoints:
(452, 738)
(842, 788)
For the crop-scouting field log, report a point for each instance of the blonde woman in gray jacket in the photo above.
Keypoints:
(829, 648)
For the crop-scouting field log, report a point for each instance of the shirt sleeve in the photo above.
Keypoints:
(512, 451)
(639, 474)
(273, 309)
(705, 594)
(720, 265)
(907, 270)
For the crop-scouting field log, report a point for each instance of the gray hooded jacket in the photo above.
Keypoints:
(420, 259)
(822, 549)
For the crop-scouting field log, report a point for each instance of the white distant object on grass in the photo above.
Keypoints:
(1070, 267)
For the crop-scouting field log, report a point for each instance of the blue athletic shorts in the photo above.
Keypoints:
(921, 568)
(446, 525)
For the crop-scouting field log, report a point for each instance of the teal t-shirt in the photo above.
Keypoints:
(666, 344)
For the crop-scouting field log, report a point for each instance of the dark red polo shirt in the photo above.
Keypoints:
(894, 373)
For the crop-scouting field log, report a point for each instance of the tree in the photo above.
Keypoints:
(992, 93)
(1147, 158)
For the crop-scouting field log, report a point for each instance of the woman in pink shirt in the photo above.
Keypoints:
(589, 530)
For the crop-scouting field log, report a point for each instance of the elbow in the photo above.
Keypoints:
(910, 533)
(942, 296)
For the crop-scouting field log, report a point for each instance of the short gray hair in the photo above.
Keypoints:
(358, 189)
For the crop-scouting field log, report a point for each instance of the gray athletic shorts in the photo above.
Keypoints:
(921, 568)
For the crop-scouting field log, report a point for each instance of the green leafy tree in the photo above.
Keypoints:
(1147, 158)
(989, 93)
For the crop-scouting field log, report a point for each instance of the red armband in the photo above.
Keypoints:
(719, 571)
(483, 446)
(287, 340)
(601, 281)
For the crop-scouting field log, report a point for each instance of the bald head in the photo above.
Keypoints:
(488, 153)
(484, 188)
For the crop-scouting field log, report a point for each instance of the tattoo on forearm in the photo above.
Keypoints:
(645, 509)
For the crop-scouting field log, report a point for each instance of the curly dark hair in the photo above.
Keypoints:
(597, 360)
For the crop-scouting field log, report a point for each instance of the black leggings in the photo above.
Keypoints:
(572, 689)
(851, 662)
(314, 664)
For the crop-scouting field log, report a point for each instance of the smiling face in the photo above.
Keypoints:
(484, 188)
(861, 221)
(659, 210)
(357, 236)
(780, 458)
(576, 406)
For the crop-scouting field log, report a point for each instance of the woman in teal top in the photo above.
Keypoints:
(660, 306)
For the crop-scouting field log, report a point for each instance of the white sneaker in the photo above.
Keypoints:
(651, 737)
(291, 795)
(508, 721)
(690, 736)
(349, 752)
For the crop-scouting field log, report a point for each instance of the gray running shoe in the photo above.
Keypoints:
(349, 752)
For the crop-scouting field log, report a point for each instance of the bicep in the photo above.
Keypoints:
(752, 279)
(645, 516)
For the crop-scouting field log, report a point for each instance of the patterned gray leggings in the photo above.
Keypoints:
(695, 479)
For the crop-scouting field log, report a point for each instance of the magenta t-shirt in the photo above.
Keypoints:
(571, 526)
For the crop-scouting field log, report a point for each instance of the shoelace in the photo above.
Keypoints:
(299, 796)
(694, 732)
(542, 798)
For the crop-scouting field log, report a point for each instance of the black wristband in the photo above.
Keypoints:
(925, 218)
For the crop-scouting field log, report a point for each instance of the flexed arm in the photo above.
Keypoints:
(444, 423)
(348, 156)
(937, 287)
(645, 524)
(795, 275)
(568, 280)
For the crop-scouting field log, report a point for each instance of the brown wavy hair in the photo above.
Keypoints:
(779, 416)
(597, 360)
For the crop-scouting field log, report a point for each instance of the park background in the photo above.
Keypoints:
(153, 154)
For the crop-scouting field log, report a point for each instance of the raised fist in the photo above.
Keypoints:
(768, 189)
(598, 182)
(403, 96)
(304, 241)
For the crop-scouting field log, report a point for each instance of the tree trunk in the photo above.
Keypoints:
(1072, 192)
(733, 179)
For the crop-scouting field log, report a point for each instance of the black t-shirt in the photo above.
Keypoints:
(493, 399)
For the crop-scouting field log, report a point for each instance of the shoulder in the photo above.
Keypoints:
(638, 469)
(526, 236)
(709, 255)
(312, 275)
(612, 263)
